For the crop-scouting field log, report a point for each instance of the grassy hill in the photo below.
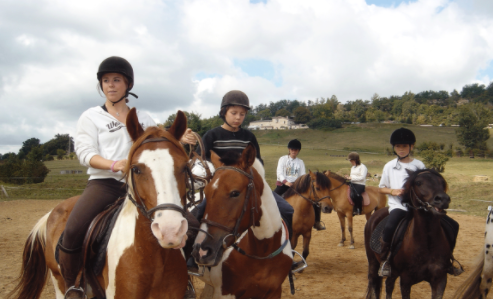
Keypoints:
(321, 151)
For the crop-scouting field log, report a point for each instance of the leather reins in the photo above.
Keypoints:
(426, 206)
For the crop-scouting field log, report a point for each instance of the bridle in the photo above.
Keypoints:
(422, 205)
(316, 200)
(138, 201)
(233, 232)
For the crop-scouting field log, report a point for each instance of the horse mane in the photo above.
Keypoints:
(406, 198)
(230, 158)
(337, 177)
(303, 183)
(151, 132)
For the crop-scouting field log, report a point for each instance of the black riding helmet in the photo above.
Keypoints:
(294, 144)
(233, 98)
(115, 64)
(402, 136)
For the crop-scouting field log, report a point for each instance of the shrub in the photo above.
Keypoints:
(324, 124)
(434, 159)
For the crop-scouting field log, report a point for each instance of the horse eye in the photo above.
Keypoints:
(234, 194)
(418, 183)
(136, 170)
(318, 189)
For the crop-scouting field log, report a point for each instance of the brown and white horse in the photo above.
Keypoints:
(340, 203)
(140, 259)
(243, 250)
(307, 190)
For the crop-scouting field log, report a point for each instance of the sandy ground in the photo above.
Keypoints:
(333, 272)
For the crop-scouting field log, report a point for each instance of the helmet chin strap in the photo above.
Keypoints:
(402, 158)
(230, 125)
(124, 97)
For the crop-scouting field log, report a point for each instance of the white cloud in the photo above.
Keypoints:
(51, 51)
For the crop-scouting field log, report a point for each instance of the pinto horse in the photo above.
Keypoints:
(307, 190)
(425, 252)
(140, 261)
(478, 284)
(243, 247)
(340, 203)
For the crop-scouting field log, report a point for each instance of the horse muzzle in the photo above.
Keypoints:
(326, 208)
(170, 229)
(440, 203)
(207, 254)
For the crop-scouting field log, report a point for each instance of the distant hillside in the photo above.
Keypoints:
(369, 137)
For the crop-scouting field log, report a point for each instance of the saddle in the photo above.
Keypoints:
(94, 247)
(351, 194)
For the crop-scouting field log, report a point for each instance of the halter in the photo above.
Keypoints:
(312, 191)
(426, 206)
(139, 203)
(234, 231)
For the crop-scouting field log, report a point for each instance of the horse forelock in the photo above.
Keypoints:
(410, 180)
(323, 181)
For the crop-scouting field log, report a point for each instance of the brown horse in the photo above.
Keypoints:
(308, 189)
(140, 259)
(340, 203)
(243, 250)
(478, 284)
(425, 252)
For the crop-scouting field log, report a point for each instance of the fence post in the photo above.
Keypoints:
(4, 191)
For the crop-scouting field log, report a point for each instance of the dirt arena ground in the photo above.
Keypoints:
(333, 272)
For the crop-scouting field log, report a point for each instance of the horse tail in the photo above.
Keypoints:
(470, 288)
(34, 269)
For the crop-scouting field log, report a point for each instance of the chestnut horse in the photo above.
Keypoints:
(340, 203)
(478, 284)
(140, 261)
(425, 253)
(308, 189)
(243, 247)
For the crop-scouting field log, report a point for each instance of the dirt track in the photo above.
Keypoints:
(333, 272)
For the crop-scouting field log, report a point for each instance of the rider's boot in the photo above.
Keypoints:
(318, 215)
(384, 270)
(70, 263)
(190, 293)
(192, 265)
(318, 226)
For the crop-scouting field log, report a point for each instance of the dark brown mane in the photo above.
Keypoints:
(412, 177)
(303, 183)
(230, 158)
(152, 132)
(337, 177)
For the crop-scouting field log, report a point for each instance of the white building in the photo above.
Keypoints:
(276, 123)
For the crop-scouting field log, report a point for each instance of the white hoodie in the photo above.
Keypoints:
(99, 133)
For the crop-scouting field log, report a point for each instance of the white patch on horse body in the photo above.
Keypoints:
(58, 292)
(270, 222)
(122, 237)
(169, 226)
(259, 167)
(488, 256)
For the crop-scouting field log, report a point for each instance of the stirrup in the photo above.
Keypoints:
(385, 269)
(190, 293)
(298, 266)
(455, 270)
(75, 293)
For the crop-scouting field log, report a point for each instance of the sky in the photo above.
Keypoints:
(187, 54)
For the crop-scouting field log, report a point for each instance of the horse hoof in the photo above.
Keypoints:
(340, 245)
(351, 247)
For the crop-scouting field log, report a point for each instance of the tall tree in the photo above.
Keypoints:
(473, 119)
(28, 145)
(302, 115)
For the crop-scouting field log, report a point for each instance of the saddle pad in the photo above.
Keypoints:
(366, 198)
(376, 235)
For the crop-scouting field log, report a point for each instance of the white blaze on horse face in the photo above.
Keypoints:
(216, 184)
(169, 226)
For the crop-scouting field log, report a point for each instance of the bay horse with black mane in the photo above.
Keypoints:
(339, 193)
(425, 252)
(307, 190)
(140, 259)
(243, 247)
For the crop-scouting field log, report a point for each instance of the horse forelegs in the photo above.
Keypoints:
(350, 228)
(294, 240)
(389, 286)
(438, 287)
(343, 228)
(405, 288)
(306, 243)
(374, 281)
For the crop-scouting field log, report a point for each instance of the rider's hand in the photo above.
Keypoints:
(188, 137)
(396, 192)
(289, 184)
(120, 165)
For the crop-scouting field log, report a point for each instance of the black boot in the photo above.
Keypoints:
(385, 268)
(70, 264)
(318, 215)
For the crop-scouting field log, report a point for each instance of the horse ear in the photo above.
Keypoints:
(216, 160)
(134, 128)
(248, 156)
(409, 172)
(312, 175)
(179, 126)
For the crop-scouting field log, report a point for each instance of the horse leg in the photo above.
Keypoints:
(350, 228)
(207, 292)
(405, 288)
(306, 243)
(294, 239)
(438, 285)
(343, 228)
(374, 281)
(389, 286)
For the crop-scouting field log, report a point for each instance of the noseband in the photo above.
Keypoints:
(139, 203)
(422, 205)
(316, 200)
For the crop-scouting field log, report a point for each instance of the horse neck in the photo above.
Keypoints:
(427, 227)
(270, 221)
(338, 193)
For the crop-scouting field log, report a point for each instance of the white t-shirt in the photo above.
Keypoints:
(358, 174)
(395, 178)
(289, 169)
(99, 133)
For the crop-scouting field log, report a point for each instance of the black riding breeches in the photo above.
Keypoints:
(318, 211)
(357, 191)
(281, 189)
(97, 195)
(451, 229)
(395, 216)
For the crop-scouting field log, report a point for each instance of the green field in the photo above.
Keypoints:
(320, 152)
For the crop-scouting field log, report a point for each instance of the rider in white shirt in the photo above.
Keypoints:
(358, 181)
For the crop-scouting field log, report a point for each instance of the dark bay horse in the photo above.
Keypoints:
(308, 189)
(478, 284)
(243, 250)
(425, 252)
(340, 203)
(140, 259)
